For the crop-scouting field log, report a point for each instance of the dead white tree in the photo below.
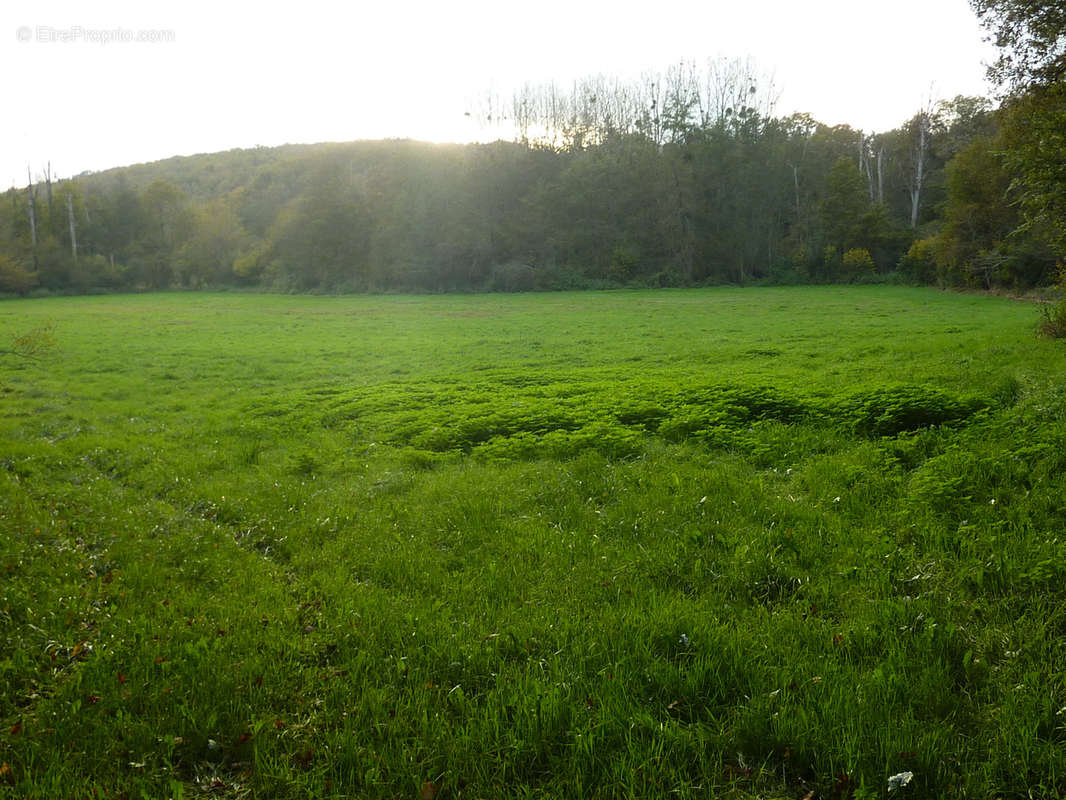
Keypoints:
(881, 174)
(919, 152)
(73, 231)
(920, 131)
(48, 185)
(31, 209)
(865, 155)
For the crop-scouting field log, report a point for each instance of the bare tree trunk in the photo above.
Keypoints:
(796, 185)
(73, 232)
(32, 210)
(864, 164)
(870, 179)
(881, 175)
(919, 166)
(48, 183)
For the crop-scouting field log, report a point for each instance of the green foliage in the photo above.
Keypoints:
(1035, 142)
(1029, 34)
(1053, 320)
(1032, 64)
(14, 277)
(624, 196)
(844, 205)
(209, 255)
(625, 263)
(856, 262)
(919, 263)
(887, 412)
(983, 241)
(690, 200)
(831, 262)
(1053, 315)
(972, 247)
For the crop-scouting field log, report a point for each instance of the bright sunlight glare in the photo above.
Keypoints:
(123, 82)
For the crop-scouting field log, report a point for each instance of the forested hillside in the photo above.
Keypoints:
(683, 178)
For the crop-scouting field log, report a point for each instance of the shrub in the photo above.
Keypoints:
(625, 263)
(831, 263)
(800, 259)
(513, 276)
(1053, 315)
(14, 277)
(1053, 320)
(857, 262)
(919, 262)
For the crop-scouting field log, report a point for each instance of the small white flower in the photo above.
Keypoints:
(683, 641)
(899, 780)
(836, 499)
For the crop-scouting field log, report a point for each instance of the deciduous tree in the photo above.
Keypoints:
(1031, 35)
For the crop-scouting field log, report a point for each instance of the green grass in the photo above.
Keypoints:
(739, 543)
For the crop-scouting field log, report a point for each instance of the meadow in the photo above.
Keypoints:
(746, 543)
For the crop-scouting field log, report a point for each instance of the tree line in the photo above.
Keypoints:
(682, 178)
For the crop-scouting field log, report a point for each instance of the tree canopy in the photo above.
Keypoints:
(1031, 35)
(677, 179)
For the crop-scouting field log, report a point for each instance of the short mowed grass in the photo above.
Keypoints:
(749, 543)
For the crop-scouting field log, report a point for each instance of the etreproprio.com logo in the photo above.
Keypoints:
(78, 34)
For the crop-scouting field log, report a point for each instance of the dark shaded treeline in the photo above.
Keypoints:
(684, 188)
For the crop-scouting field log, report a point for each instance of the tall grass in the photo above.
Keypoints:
(753, 543)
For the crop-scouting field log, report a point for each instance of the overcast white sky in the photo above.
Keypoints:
(242, 74)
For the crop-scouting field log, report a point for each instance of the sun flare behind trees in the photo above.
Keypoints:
(679, 178)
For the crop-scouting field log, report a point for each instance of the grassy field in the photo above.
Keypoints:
(745, 543)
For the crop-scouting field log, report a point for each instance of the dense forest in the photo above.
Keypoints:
(682, 178)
